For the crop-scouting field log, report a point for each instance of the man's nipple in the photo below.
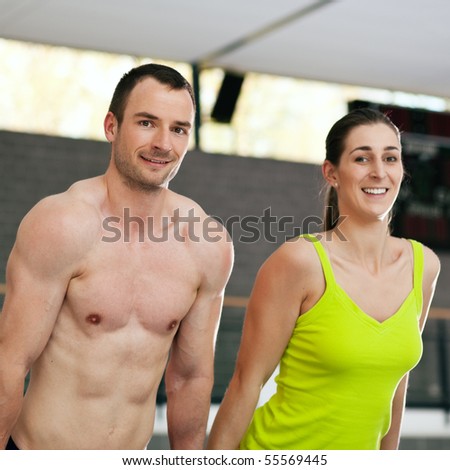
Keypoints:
(94, 319)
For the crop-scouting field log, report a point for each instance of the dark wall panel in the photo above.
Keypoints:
(262, 202)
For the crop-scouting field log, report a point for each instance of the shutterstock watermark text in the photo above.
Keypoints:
(191, 227)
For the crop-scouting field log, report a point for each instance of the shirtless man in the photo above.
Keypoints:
(96, 317)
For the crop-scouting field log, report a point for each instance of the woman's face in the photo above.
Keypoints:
(369, 173)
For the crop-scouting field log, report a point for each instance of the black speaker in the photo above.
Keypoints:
(226, 99)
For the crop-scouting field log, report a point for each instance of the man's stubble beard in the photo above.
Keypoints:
(136, 179)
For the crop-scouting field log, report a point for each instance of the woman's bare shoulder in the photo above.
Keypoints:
(297, 256)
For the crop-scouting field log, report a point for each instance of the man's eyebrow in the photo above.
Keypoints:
(183, 124)
(147, 115)
(156, 118)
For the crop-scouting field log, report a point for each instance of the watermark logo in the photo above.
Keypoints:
(243, 229)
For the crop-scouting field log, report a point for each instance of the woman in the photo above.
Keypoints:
(342, 313)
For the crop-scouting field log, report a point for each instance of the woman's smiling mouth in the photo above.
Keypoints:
(375, 191)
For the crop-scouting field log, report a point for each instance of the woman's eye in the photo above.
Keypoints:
(392, 159)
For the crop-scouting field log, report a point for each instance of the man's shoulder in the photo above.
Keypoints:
(205, 235)
(64, 216)
(207, 228)
(186, 206)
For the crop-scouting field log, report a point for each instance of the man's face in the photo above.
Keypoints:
(152, 139)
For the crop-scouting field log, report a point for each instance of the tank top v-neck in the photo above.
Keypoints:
(339, 372)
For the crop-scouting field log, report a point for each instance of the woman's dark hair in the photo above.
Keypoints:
(335, 144)
(162, 73)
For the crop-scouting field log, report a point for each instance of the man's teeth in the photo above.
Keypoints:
(153, 160)
(375, 190)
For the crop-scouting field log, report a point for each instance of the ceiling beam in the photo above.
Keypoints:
(259, 33)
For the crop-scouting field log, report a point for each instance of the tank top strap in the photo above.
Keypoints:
(324, 260)
(418, 272)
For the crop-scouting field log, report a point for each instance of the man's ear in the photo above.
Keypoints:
(110, 126)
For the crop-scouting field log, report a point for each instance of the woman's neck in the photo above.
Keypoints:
(364, 243)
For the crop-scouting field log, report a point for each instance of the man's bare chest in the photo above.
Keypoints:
(149, 286)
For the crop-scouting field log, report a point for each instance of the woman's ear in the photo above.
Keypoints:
(329, 173)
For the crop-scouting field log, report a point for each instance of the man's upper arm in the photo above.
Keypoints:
(193, 347)
(40, 266)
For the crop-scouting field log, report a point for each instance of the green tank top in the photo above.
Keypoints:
(339, 372)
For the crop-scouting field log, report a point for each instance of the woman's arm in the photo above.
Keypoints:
(272, 312)
(430, 276)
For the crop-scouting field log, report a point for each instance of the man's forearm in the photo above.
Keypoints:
(11, 398)
(9, 412)
(187, 414)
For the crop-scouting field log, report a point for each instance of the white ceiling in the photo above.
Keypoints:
(393, 44)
